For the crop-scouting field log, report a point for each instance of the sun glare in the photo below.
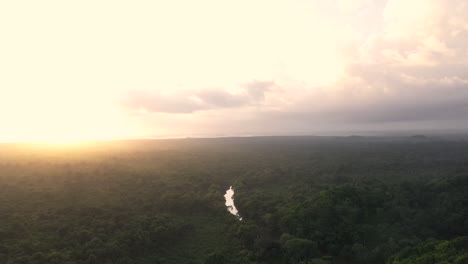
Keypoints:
(62, 119)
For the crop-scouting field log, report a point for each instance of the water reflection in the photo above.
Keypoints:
(229, 196)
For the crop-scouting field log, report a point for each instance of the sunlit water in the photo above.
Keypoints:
(230, 202)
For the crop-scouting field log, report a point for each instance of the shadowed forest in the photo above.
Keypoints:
(317, 200)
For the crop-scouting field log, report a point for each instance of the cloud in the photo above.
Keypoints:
(414, 70)
(252, 93)
(412, 74)
(419, 33)
(378, 95)
(349, 6)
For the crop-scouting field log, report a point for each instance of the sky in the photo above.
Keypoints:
(110, 69)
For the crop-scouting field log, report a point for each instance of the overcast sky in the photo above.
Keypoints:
(95, 69)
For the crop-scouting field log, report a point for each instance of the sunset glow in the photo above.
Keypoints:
(100, 70)
(61, 118)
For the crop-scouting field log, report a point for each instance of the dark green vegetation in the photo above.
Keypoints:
(302, 199)
(454, 251)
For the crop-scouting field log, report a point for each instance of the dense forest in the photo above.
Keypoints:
(318, 200)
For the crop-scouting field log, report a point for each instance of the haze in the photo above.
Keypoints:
(90, 70)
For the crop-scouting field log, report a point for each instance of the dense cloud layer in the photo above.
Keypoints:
(191, 101)
(412, 73)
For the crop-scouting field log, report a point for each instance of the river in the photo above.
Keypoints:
(229, 196)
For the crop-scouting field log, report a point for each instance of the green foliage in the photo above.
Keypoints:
(298, 249)
(302, 199)
(453, 251)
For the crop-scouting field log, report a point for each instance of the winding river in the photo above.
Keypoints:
(229, 196)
